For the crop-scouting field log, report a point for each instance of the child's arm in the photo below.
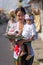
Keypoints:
(6, 33)
(31, 38)
(7, 29)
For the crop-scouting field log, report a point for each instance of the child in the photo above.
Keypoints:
(11, 27)
(28, 33)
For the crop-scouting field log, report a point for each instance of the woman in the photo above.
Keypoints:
(20, 15)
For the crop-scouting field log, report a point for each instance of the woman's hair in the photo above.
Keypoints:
(20, 9)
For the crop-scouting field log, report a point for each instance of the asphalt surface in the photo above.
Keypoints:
(6, 56)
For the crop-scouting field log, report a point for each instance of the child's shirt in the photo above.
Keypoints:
(11, 27)
(28, 31)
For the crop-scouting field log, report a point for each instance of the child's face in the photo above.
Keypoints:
(28, 21)
(12, 18)
(20, 16)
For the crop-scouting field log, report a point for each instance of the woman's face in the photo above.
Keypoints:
(20, 16)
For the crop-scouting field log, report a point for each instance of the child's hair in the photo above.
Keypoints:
(20, 9)
(12, 16)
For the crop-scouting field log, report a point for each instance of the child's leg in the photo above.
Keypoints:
(29, 50)
(29, 53)
(24, 50)
(11, 44)
(24, 53)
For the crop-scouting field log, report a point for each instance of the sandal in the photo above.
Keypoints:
(28, 57)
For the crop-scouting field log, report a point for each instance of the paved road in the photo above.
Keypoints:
(6, 56)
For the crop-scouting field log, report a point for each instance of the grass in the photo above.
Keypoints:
(36, 63)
